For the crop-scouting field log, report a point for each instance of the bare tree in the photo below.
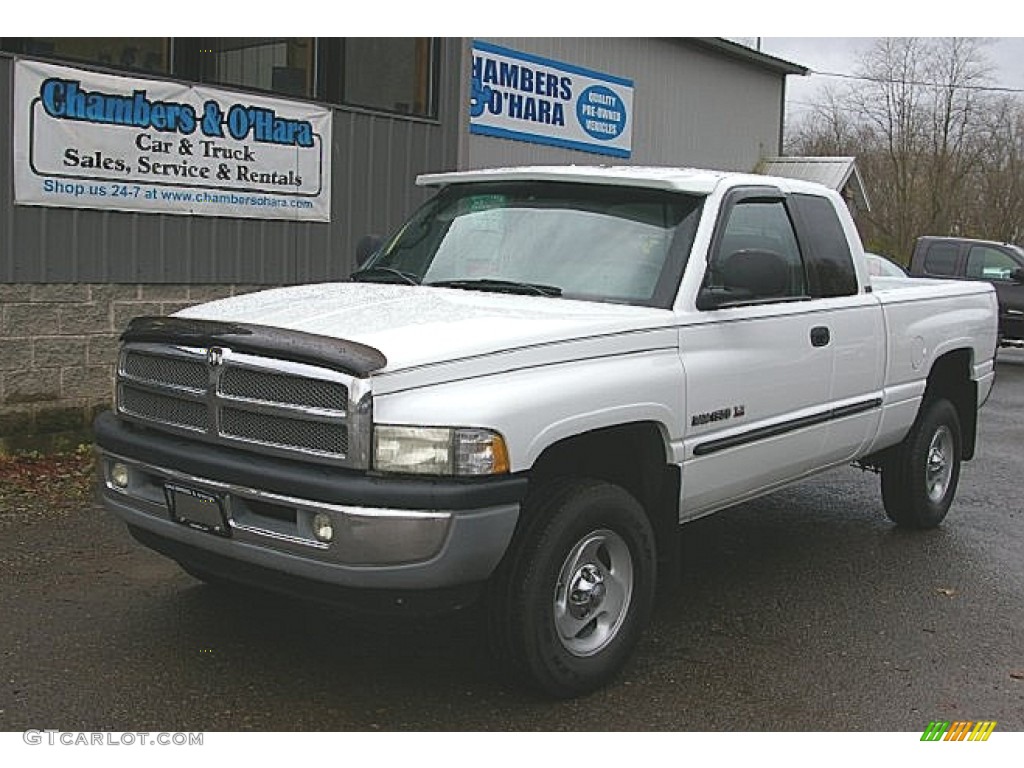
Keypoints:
(996, 201)
(828, 129)
(955, 127)
(940, 154)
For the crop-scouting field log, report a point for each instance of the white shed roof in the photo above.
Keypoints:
(838, 173)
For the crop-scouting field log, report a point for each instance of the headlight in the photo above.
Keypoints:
(439, 451)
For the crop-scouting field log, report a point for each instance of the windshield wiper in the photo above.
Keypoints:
(500, 286)
(383, 274)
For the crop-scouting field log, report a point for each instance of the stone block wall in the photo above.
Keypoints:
(58, 348)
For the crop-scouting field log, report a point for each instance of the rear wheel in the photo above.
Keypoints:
(572, 599)
(919, 481)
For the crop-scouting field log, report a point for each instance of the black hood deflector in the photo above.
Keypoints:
(339, 355)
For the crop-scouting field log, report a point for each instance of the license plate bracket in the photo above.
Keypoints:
(197, 509)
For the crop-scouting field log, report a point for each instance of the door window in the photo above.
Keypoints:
(757, 258)
(987, 263)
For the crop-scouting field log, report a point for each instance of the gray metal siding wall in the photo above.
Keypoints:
(692, 107)
(375, 161)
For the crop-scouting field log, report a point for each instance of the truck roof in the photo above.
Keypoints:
(971, 240)
(693, 180)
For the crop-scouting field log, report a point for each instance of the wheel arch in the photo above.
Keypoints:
(950, 378)
(634, 456)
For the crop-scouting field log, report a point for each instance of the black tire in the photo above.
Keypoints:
(584, 560)
(919, 480)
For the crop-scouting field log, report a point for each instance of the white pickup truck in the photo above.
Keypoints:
(524, 392)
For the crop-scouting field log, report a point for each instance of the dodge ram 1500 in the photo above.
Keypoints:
(525, 392)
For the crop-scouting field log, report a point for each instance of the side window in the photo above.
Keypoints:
(827, 250)
(989, 263)
(757, 258)
(940, 259)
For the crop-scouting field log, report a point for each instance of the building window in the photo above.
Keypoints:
(134, 54)
(391, 74)
(394, 74)
(282, 65)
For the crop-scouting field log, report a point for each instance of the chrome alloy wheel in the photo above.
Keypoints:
(939, 467)
(592, 596)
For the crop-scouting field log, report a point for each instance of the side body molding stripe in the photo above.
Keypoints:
(763, 433)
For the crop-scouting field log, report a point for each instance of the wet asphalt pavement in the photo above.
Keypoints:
(806, 610)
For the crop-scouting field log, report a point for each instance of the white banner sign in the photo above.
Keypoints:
(89, 140)
(530, 98)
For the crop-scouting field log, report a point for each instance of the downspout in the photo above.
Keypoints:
(782, 116)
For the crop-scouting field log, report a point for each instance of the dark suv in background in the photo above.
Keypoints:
(1001, 264)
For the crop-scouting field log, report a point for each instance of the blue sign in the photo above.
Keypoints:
(525, 97)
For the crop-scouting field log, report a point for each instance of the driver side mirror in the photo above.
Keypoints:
(366, 247)
(1017, 276)
(749, 274)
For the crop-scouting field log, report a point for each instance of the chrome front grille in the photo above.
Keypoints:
(172, 371)
(268, 405)
(267, 387)
(153, 406)
(280, 431)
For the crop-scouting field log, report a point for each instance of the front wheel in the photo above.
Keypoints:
(570, 602)
(919, 481)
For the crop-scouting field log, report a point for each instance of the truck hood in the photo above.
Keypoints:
(418, 325)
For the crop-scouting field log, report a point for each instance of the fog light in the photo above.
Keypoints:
(119, 475)
(323, 528)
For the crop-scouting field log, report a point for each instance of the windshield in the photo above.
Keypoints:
(593, 242)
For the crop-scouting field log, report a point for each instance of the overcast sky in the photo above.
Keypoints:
(840, 55)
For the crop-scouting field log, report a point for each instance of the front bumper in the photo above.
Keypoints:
(390, 534)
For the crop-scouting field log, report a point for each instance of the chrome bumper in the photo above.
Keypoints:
(371, 547)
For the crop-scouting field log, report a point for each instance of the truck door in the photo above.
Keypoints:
(758, 360)
(779, 313)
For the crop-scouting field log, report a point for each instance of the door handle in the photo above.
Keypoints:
(820, 336)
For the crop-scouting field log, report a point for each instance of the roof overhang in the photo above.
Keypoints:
(749, 55)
